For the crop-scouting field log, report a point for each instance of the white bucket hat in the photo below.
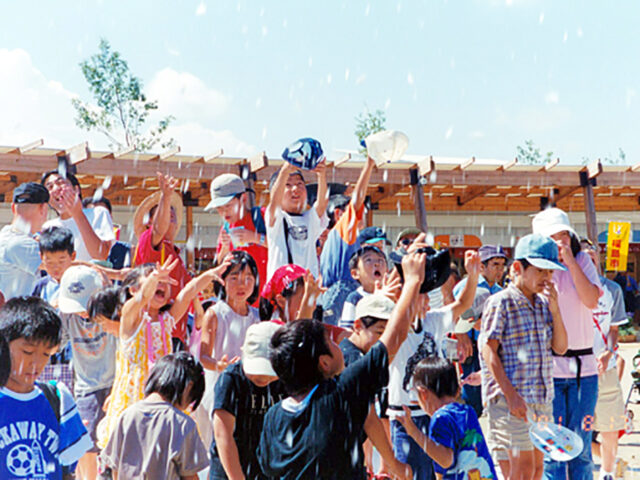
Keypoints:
(386, 146)
(551, 221)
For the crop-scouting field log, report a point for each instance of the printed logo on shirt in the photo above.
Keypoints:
(427, 348)
(25, 441)
(298, 232)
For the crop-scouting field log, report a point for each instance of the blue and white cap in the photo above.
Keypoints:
(539, 250)
(304, 153)
(77, 285)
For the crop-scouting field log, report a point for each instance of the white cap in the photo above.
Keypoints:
(386, 146)
(77, 285)
(551, 221)
(376, 305)
(223, 188)
(255, 349)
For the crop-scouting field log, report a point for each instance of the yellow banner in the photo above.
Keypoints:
(618, 246)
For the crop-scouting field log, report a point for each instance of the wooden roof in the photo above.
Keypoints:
(128, 177)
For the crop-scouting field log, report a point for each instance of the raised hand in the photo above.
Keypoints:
(413, 266)
(224, 362)
(390, 285)
(167, 183)
(472, 263)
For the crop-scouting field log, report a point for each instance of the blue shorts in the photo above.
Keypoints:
(91, 412)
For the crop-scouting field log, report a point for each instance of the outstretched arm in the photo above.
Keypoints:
(322, 199)
(465, 300)
(162, 218)
(360, 190)
(275, 196)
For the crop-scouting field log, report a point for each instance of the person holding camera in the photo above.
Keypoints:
(425, 339)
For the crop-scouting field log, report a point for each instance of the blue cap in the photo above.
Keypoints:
(487, 252)
(372, 235)
(539, 250)
(305, 153)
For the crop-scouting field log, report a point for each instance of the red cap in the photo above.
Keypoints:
(281, 279)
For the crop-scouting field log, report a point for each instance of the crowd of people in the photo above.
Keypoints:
(320, 343)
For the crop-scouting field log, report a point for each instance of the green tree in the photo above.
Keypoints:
(530, 154)
(121, 109)
(367, 123)
(620, 159)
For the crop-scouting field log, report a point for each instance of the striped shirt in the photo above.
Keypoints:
(524, 332)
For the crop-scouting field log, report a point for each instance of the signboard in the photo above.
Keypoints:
(618, 246)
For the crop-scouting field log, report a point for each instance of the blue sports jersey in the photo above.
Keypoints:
(33, 444)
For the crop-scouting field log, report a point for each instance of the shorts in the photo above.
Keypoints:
(91, 412)
(507, 432)
(610, 412)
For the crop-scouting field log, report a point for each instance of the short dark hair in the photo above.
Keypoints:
(239, 261)
(524, 262)
(69, 176)
(353, 261)
(56, 239)
(5, 361)
(170, 376)
(438, 375)
(95, 201)
(295, 350)
(107, 303)
(30, 318)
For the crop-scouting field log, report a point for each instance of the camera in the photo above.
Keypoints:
(437, 267)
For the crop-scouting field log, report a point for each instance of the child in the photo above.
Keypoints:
(145, 332)
(368, 265)
(454, 441)
(520, 326)
(57, 254)
(316, 431)
(5, 361)
(291, 231)
(243, 394)
(36, 441)
(153, 438)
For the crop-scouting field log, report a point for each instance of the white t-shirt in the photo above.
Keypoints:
(609, 313)
(304, 231)
(19, 262)
(429, 341)
(100, 221)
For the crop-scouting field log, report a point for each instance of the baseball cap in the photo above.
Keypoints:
(372, 235)
(406, 232)
(471, 315)
(551, 221)
(386, 146)
(30, 192)
(487, 252)
(281, 279)
(539, 250)
(223, 188)
(375, 305)
(304, 153)
(255, 349)
(77, 285)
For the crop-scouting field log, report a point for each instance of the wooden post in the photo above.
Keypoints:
(418, 200)
(189, 230)
(248, 176)
(589, 207)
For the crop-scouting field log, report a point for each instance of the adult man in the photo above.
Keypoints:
(19, 252)
(92, 228)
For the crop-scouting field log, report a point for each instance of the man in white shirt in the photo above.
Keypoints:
(291, 231)
(92, 228)
(19, 252)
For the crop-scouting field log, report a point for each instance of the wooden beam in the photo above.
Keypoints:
(123, 152)
(589, 206)
(258, 162)
(29, 146)
(563, 193)
(548, 166)
(472, 192)
(418, 199)
(594, 169)
(386, 191)
(426, 166)
(212, 156)
(345, 158)
(509, 165)
(467, 164)
(169, 153)
(77, 154)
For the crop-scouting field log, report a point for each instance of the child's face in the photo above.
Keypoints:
(56, 263)
(28, 360)
(371, 267)
(232, 211)
(239, 284)
(261, 380)
(295, 195)
(332, 364)
(427, 400)
(533, 279)
(369, 335)
(291, 305)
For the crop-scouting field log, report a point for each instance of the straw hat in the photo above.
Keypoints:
(139, 224)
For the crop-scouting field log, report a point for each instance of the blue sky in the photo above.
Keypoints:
(461, 78)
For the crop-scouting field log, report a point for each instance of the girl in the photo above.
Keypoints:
(147, 319)
(154, 438)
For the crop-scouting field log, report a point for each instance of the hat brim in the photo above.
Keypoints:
(148, 203)
(258, 366)
(464, 325)
(549, 230)
(219, 202)
(375, 240)
(545, 264)
(69, 305)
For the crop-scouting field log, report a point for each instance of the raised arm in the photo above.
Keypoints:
(413, 265)
(322, 199)
(375, 431)
(360, 190)
(97, 248)
(162, 218)
(587, 291)
(277, 192)
(559, 340)
(465, 300)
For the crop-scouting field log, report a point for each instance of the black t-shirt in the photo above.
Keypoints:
(319, 438)
(350, 352)
(238, 395)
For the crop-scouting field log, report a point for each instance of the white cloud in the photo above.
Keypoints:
(476, 134)
(552, 97)
(202, 9)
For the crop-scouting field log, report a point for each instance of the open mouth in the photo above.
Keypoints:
(377, 273)
(160, 293)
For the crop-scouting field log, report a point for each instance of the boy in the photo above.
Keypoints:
(34, 443)
(19, 259)
(292, 231)
(520, 327)
(368, 265)
(243, 228)
(454, 441)
(93, 351)
(243, 393)
(316, 431)
(57, 254)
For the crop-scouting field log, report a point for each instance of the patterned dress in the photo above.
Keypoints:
(134, 360)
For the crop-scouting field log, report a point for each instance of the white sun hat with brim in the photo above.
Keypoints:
(255, 349)
(77, 285)
(551, 221)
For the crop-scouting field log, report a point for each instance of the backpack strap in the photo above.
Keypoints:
(50, 391)
(286, 239)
